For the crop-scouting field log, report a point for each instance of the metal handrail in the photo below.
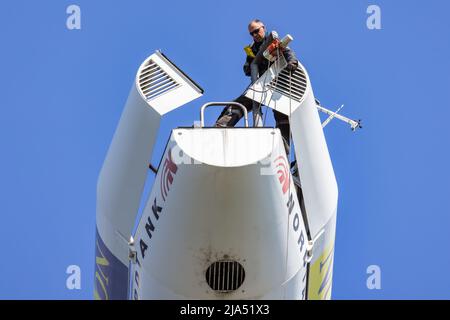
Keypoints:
(209, 104)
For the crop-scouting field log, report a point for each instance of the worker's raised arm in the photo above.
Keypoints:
(291, 59)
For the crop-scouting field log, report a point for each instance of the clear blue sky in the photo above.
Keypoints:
(62, 92)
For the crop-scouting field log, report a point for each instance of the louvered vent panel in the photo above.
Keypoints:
(225, 275)
(291, 85)
(154, 81)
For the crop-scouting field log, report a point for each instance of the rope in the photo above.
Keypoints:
(290, 107)
(277, 64)
(262, 95)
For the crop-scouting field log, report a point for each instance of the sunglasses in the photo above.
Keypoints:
(256, 31)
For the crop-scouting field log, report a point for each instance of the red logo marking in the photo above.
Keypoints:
(169, 170)
(283, 173)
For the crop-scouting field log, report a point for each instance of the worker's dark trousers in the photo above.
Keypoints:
(232, 114)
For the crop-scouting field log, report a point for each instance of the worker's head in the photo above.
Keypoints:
(257, 30)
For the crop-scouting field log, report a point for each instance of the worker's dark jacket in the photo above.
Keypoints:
(289, 55)
(231, 114)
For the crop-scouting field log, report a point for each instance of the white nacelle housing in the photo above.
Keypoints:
(222, 220)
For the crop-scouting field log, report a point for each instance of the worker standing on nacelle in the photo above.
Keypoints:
(256, 64)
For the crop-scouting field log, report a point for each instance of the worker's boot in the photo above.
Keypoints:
(228, 118)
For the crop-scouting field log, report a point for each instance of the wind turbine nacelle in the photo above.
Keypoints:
(222, 220)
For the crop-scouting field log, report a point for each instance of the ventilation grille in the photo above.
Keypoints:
(225, 276)
(154, 81)
(291, 85)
